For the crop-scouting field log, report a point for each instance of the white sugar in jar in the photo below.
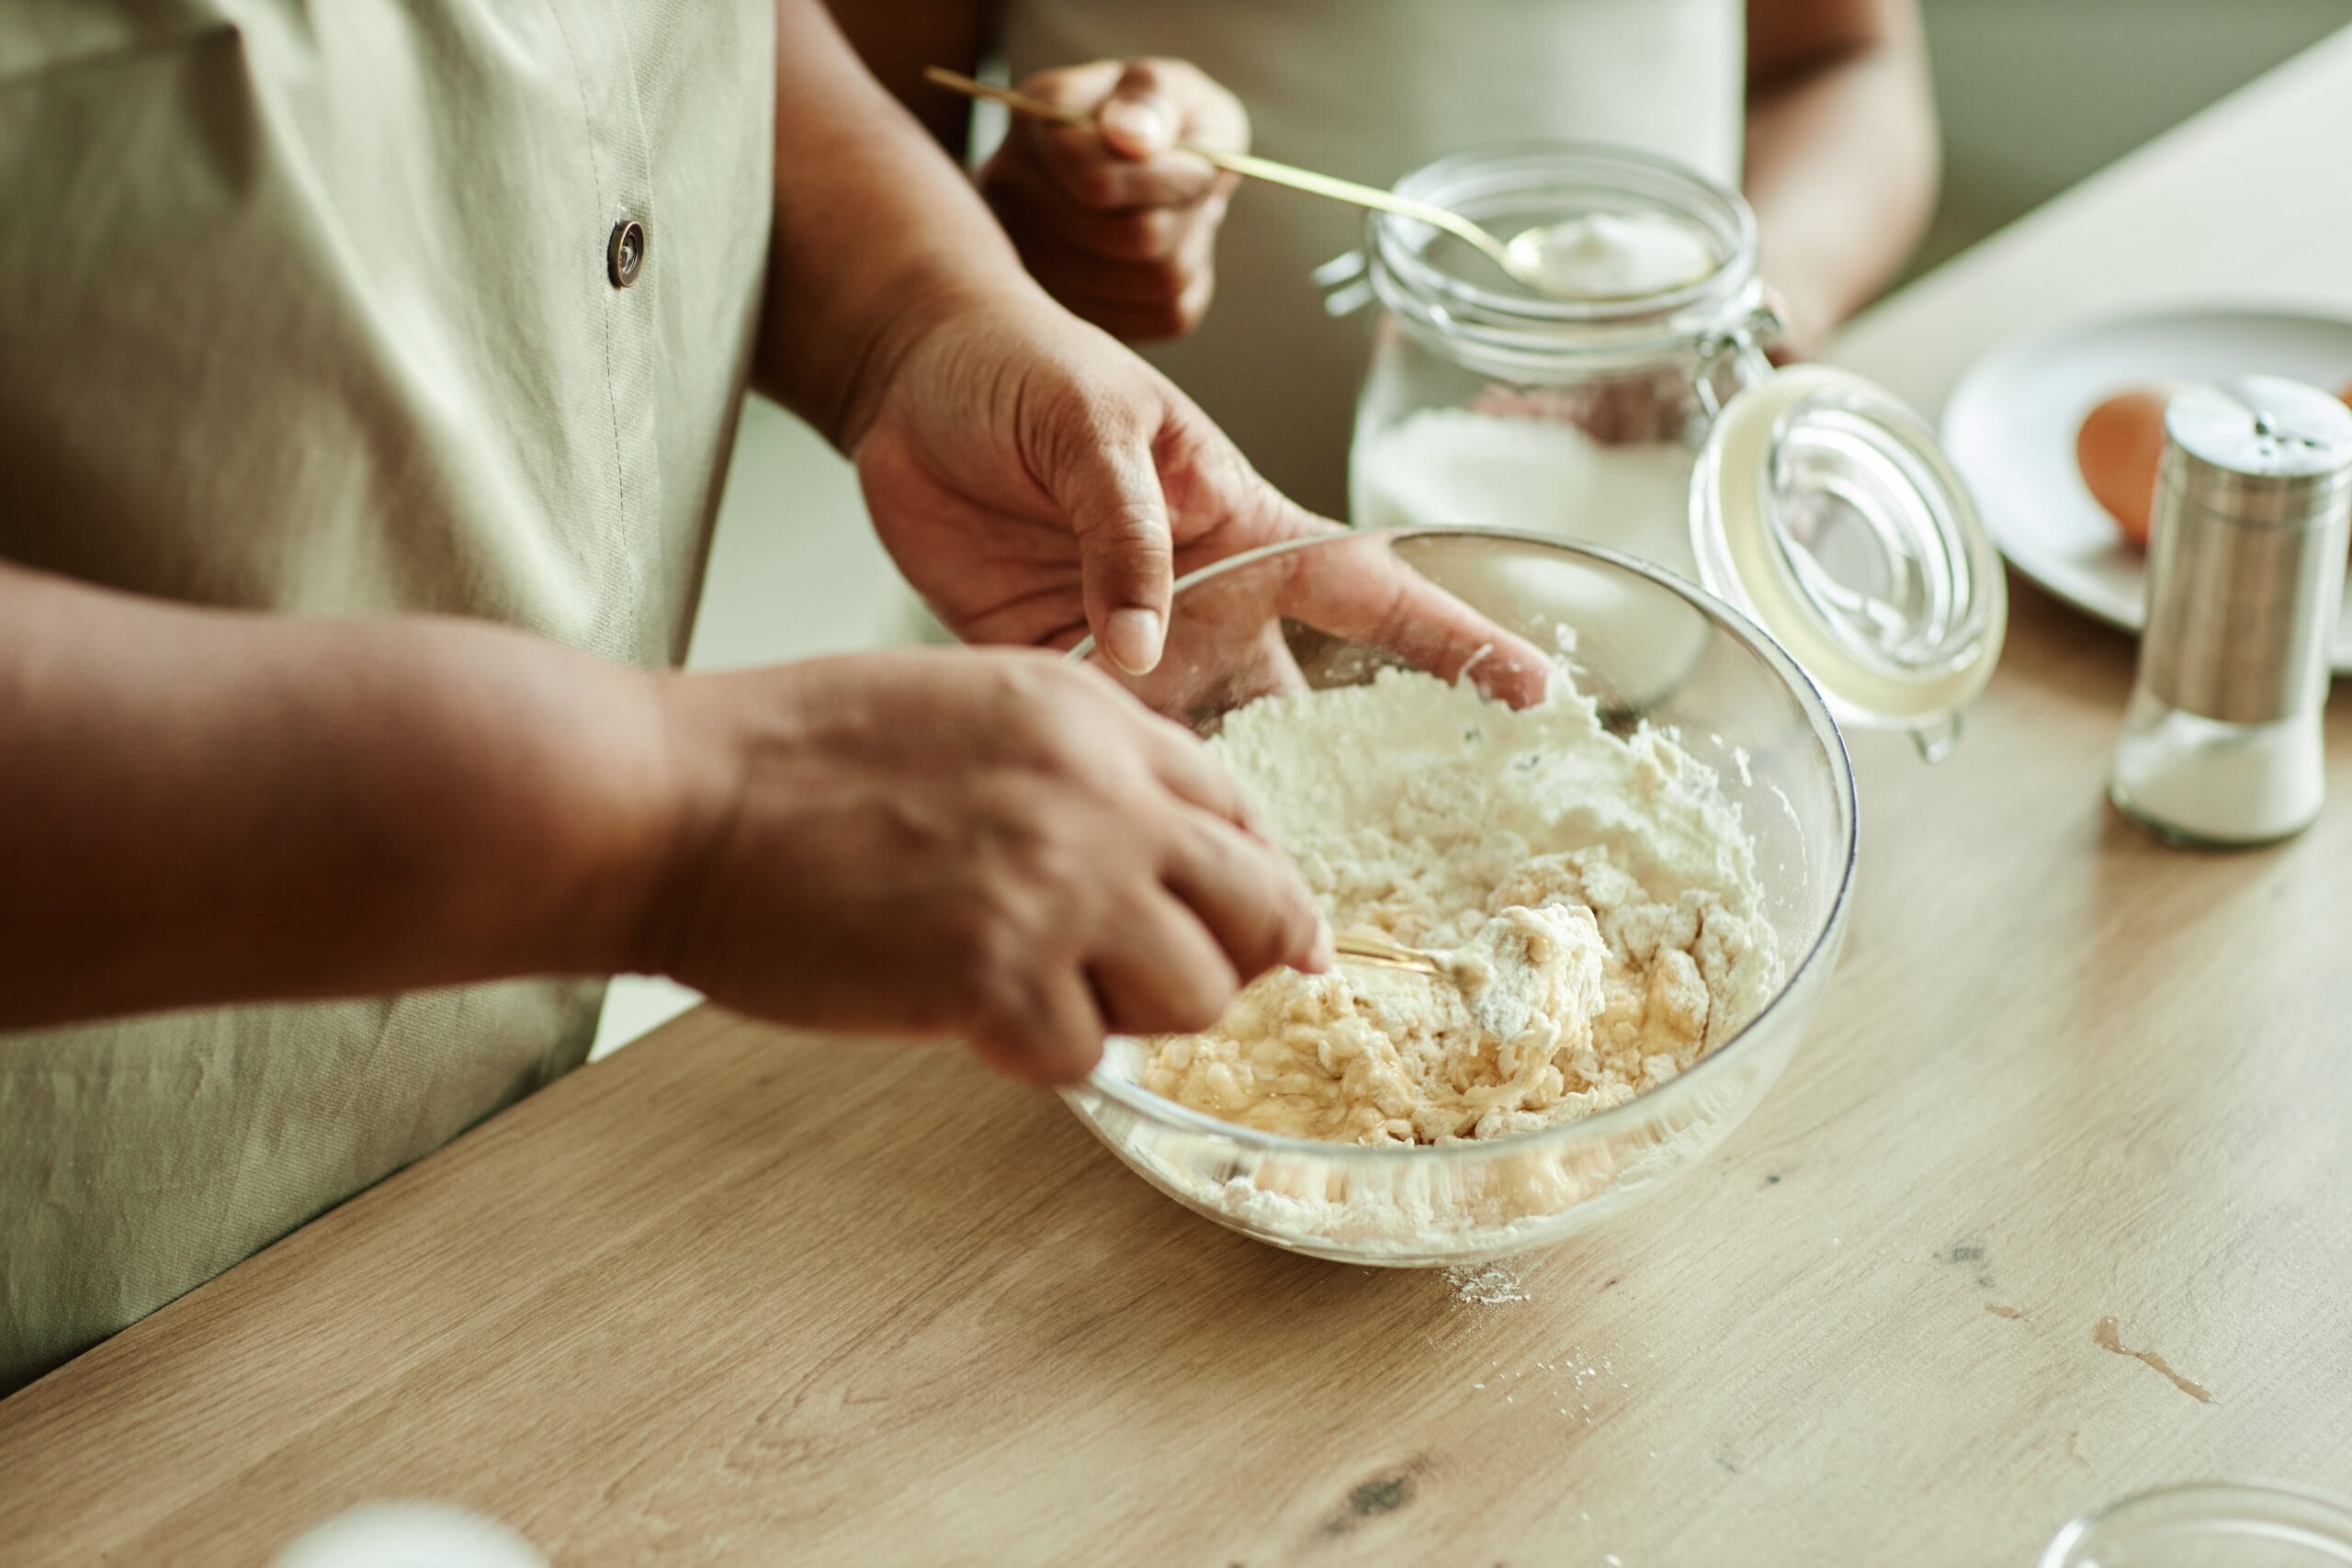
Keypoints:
(1632, 405)
(1577, 414)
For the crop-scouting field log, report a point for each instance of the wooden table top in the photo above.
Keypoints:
(2078, 1110)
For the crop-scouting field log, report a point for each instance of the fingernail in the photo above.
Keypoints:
(1132, 639)
(1137, 123)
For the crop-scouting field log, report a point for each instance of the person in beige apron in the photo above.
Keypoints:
(1820, 107)
(368, 375)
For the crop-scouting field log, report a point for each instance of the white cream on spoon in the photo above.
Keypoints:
(1611, 256)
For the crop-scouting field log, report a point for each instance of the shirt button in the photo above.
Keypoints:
(624, 252)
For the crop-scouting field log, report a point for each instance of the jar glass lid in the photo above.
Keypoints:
(1825, 508)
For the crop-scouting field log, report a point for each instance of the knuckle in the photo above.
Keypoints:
(1208, 778)
(1057, 869)
(1070, 728)
(1028, 1012)
(1150, 75)
(1209, 844)
(998, 943)
(986, 994)
(1143, 541)
(1084, 740)
(1138, 529)
(1024, 690)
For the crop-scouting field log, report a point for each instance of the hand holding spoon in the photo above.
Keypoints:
(1521, 257)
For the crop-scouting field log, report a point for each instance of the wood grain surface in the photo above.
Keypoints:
(2051, 1206)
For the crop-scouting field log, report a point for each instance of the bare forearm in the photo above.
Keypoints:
(873, 225)
(1842, 166)
(198, 807)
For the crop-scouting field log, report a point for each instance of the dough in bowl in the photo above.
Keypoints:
(1597, 891)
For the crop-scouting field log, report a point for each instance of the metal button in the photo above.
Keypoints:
(624, 252)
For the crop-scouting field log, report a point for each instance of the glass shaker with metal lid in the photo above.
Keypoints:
(2222, 744)
(1633, 405)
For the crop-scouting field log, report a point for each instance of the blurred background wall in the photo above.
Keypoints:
(2035, 95)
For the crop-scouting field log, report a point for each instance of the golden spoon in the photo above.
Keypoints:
(1519, 257)
(1392, 955)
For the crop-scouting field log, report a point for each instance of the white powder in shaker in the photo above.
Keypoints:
(2218, 782)
(1606, 255)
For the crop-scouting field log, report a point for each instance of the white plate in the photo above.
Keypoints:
(2010, 428)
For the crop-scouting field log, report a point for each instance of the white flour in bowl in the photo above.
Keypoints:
(1599, 891)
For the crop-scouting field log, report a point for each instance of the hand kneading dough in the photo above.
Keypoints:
(1599, 894)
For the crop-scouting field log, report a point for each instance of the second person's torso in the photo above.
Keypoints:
(1370, 90)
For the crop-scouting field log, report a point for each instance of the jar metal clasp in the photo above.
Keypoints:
(1737, 356)
(1345, 282)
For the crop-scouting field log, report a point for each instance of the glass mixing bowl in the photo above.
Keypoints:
(2210, 1525)
(1331, 611)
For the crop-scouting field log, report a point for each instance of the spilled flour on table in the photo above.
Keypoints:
(1487, 1285)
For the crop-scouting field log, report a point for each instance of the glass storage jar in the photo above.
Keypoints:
(1649, 418)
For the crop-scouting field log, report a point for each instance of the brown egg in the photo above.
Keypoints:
(2117, 449)
(2345, 393)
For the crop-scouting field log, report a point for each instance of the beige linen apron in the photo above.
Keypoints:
(317, 308)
